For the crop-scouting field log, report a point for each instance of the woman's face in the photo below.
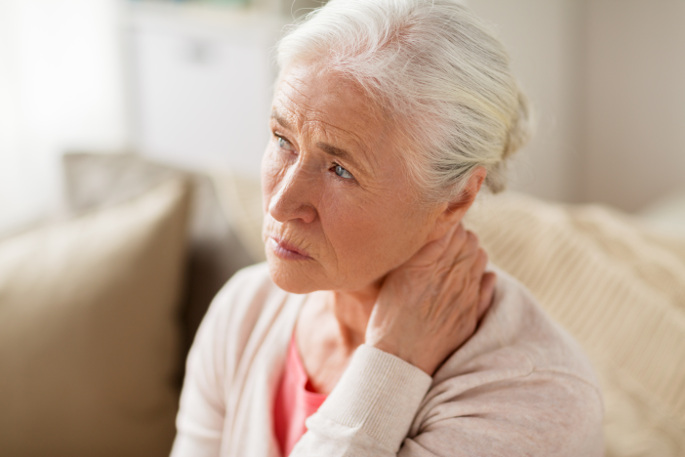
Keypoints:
(340, 211)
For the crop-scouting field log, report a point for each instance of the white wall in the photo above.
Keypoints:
(634, 116)
(608, 79)
(543, 38)
(203, 87)
(61, 86)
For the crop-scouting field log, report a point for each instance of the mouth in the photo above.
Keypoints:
(285, 250)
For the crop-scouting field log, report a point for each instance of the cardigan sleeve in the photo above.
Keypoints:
(200, 420)
(545, 413)
(371, 410)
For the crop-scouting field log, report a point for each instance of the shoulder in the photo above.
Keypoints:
(516, 325)
(521, 324)
(223, 339)
(249, 297)
(243, 299)
(252, 283)
(523, 375)
(247, 293)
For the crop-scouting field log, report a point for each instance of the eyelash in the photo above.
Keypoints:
(334, 168)
(280, 139)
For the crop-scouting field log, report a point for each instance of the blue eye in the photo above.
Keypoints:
(340, 171)
(283, 143)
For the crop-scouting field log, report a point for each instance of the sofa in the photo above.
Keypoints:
(99, 307)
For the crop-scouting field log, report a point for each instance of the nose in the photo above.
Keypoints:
(293, 196)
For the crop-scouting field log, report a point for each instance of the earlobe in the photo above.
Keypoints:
(454, 211)
(470, 191)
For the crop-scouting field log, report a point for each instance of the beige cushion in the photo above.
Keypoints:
(240, 198)
(89, 331)
(620, 289)
(99, 180)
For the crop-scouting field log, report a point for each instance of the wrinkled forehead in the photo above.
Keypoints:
(318, 93)
(321, 104)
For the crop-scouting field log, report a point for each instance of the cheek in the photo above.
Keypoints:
(356, 231)
(378, 239)
(271, 172)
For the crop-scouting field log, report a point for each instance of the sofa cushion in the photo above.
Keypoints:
(619, 288)
(89, 335)
(240, 198)
(99, 180)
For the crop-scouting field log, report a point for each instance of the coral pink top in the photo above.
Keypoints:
(296, 400)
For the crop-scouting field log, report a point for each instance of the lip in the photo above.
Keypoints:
(285, 250)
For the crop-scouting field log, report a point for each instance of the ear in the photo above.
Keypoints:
(453, 211)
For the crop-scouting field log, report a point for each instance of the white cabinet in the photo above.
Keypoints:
(201, 83)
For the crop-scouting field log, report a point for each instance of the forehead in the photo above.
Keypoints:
(314, 98)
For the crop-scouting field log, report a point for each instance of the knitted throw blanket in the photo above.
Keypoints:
(619, 288)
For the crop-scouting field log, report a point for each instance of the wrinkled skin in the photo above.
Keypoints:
(343, 219)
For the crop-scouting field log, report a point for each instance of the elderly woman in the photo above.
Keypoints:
(374, 329)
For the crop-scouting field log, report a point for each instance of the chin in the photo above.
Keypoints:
(290, 278)
(303, 279)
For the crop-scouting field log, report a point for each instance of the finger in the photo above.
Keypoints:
(479, 263)
(455, 241)
(468, 273)
(461, 296)
(443, 250)
(487, 292)
(468, 249)
(438, 249)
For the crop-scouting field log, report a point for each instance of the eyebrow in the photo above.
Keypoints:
(327, 148)
(341, 153)
(280, 119)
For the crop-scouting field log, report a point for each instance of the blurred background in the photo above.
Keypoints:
(190, 83)
(97, 313)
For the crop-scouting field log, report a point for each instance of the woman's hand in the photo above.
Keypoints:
(431, 305)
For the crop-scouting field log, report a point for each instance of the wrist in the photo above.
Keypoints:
(378, 395)
(407, 356)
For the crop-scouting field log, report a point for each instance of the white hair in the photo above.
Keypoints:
(439, 73)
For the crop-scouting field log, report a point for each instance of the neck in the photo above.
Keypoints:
(352, 311)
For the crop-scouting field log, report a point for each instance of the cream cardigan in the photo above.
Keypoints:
(519, 387)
